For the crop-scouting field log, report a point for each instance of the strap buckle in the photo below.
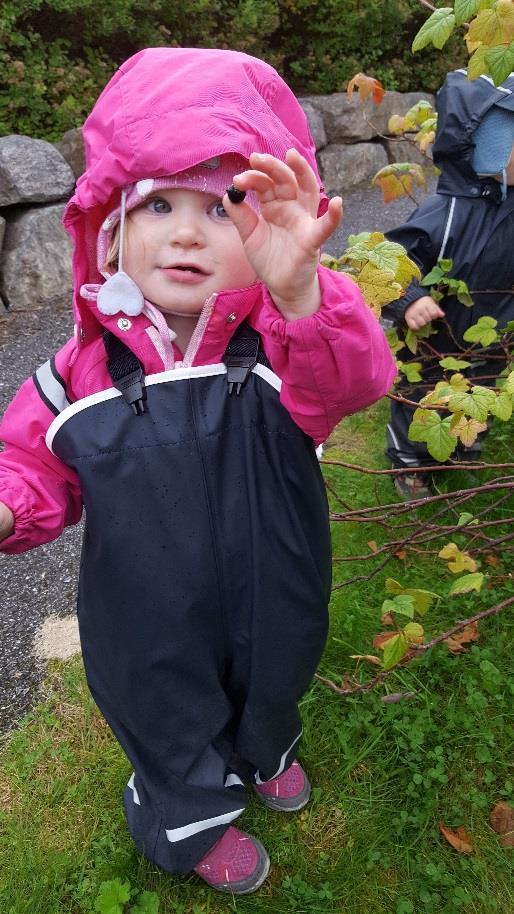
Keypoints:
(241, 356)
(132, 388)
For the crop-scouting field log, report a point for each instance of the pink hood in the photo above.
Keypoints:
(165, 110)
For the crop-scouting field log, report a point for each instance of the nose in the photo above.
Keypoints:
(186, 230)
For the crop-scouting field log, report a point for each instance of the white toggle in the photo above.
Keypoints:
(120, 293)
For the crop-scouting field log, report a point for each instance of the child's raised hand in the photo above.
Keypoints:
(283, 242)
(421, 312)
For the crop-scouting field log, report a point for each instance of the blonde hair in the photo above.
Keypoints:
(111, 258)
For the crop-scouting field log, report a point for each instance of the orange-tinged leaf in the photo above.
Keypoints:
(398, 179)
(366, 86)
(396, 124)
(372, 545)
(382, 638)
(458, 838)
(369, 658)
(502, 821)
(457, 641)
(387, 619)
(401, 554)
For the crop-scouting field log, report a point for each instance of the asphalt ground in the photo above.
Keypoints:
(43, 581)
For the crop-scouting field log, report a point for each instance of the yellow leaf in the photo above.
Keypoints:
(398, 179)
(491, 27)
(425, 140)
(457, 561)
(378, 286)
(396, 124)
(414, 632)
(467, 430)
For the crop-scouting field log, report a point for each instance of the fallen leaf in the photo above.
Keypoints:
(394, 697)
(492, 560)
(502, 822)
(347, 683)
(373, 546)
(382, 638)
(466, 636)
(401, 554)
(458, 838)
(370, 658)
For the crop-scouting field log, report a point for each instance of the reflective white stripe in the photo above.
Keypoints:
(51, 387)
(489, 80)
(161, 377)
(179, 834)
(268, 375)
(232, 779)
(447, 228)
(282, 762)
(393, 436)
(134, 791)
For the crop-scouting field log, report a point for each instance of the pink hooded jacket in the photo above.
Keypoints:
(167, 109)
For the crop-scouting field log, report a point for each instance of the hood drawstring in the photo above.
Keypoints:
(120, 293)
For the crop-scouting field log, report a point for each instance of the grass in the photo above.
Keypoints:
(384, 774)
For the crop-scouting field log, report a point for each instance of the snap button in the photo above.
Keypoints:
(124, 323)
(231, 318)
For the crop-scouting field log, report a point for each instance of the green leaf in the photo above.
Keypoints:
(147, 903)
(428, 426)
(433, 278)
(477, 64)
(453, 364)
(465, 10)
(482, 332)
(112, 897)
(446, 264)
(436, 30)
(411, 370)
(422, 599)
(502, 407)
(395, 344)
(395, 650)
(477, 402)
(467, 583)
(460, 289)
(466, 518)
(500, 62)
(401, 604)
(509, 328)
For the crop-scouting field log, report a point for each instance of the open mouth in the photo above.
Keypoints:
(188, 268)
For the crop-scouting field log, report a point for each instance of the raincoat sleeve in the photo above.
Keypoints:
(422, 237)
(333, 363)
(41, 491)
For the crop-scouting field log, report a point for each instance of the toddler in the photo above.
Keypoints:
(211, 355)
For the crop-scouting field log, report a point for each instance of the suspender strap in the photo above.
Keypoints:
(241, 355)
(126, 372)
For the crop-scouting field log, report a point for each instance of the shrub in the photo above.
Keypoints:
(57, 54)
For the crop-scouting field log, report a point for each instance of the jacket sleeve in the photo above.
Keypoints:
(332, 363)
(422, 237)
(41, 491)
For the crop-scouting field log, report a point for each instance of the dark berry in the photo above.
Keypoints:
(235, 195)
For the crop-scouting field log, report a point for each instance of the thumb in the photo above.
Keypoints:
(242, 215)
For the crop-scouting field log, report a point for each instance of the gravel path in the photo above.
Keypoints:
(42, 583)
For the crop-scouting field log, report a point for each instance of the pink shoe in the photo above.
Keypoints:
(288, 792)
(238, 863)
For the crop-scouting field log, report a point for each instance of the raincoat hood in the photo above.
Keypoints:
(461, 105)
(166, 110)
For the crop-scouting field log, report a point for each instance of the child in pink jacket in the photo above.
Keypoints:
(211, 354)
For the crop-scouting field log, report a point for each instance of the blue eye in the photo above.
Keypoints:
(219, 210)
(158, 205)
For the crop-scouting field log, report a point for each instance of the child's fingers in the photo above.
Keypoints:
(242, 215)
(326, 224)
(283, 177)
(257, 181)
(307, 181)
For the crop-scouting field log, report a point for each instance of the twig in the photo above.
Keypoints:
(414, 650)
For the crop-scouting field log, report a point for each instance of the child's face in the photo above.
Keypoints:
(181, 247)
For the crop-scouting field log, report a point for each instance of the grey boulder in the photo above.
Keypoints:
(32, 171)
(36, 258)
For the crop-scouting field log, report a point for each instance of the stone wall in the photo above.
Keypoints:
(37, 178)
